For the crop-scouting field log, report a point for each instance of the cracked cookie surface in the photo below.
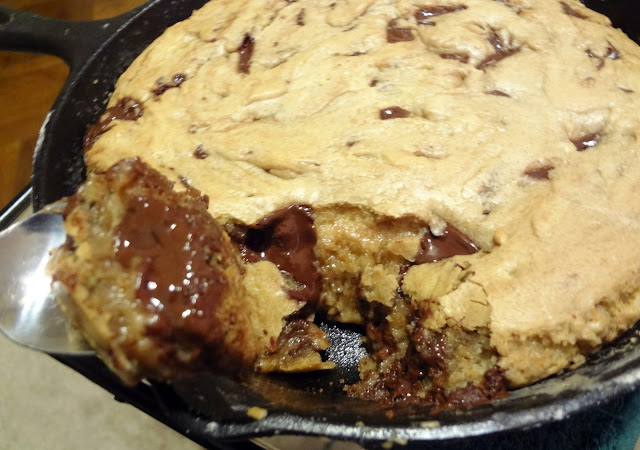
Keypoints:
(515, 122)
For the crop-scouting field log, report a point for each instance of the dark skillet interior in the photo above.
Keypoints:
(208, 408)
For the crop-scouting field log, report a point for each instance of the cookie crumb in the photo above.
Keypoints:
(257, 413)
(430, 424)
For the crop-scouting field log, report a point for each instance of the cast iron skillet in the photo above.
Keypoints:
(208, 408)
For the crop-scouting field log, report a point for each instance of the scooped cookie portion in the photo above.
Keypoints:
(154, 283)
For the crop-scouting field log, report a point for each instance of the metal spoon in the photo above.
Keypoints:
(29, 313)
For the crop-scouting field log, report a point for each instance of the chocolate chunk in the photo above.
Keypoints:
(457, 56)
(502, 51)
(436, 248)
(393, 112)
(184, 181)
(492, 60)
(245, 51)
(287, 239)
(628, 91)
(127, 108)
(612, 52)
(569, 11)
(373, 83)
(498, 93)
(300, 18)
(540, 172)
(200, 153)
(425, 13)
(496, 41)
(585, 142)
(398, 34)
(162, 87)
(179, 279)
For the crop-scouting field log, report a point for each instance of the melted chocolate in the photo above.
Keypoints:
(585, 142)
(398, 34)
(456, 56)
(162, 87)
(569, 11)
(297, 338)
(393, 112)
(199, 153)
(287, 239)
(127, 108)
(492, 387)
(245, 51)
(432, 350)
(436, 248)
(172, 246)
(539, 173)
(426, 356)
(300, 18)
(427, 12)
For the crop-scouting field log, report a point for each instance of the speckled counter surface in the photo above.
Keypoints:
(45, 405)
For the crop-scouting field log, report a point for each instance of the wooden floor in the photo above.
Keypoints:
(29, 85)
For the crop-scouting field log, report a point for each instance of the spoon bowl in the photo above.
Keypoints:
(29, 312)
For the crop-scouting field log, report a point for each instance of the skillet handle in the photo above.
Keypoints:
(73, 41)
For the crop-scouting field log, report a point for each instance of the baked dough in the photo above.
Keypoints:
(515, 122)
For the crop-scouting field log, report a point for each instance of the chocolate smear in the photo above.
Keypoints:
(393, 112)
(162, 87)
(127, 108)
(245, 51)
(398, 34)
(456, 56)
(425, 13)
(168, 245)
(436, 248)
